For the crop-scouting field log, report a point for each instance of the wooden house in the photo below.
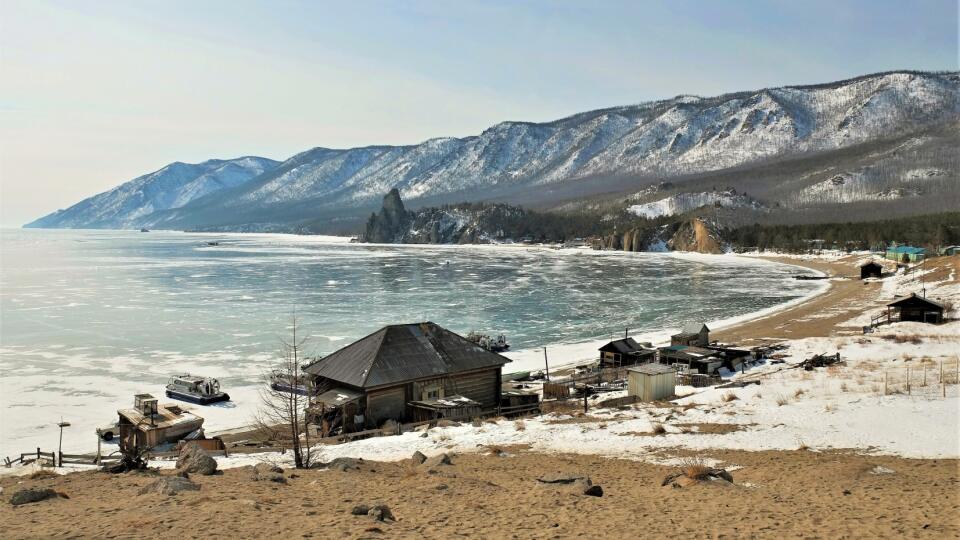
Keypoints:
(870, 270)
(148, 424)
(692, 334)
(651, 382)
(625, 352)
(915, 308)
(376, 378)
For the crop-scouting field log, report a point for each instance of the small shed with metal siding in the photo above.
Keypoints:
(651, 382)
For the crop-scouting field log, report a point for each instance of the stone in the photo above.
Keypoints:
(443, 423)
(381, 512)
(418, 457)
(31, 495)
(360, 510)
(199, 463)
(344, 464)
(390, 427)
(169, 485)
(437, 460)
(267, 472)
(561, 478)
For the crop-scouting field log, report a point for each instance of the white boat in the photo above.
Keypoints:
(195, 389)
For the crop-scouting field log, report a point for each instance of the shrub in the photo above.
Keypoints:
(781, 400)
(519, 425)
(801, 446)
(657, 428)
(843, 387)
(728, 397)
(695, 468)
(799, 392)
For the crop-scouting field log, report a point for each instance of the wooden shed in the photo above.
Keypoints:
(383, 373)
(870, 270)
(148, 424)
(651, 382)
(625, 352)
(692, 334)
(916, 308)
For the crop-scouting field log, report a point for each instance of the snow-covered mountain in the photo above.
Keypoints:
(127, 205)
(523, 161)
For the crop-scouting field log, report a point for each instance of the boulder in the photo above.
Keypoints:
(169, 485)
(30, 495)
(443, 422)
(390, 427)
(437, 460)
(197, 462)
(360, 510)
(267, 472)
(344, 464)
(381, 512)
(418, 457)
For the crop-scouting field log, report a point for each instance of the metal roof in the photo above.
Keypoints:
(694, 328)
(652, 369)
(337, 396)
(622, 346)
(906, 249)
(404, 352)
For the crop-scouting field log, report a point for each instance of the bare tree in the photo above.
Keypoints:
(283, 409)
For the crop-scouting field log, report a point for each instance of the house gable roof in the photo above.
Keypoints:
(404, 352)
(871, 264)
(693, 329)
(622, 346)
(916, 301)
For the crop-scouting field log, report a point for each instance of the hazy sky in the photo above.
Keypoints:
(96, 93)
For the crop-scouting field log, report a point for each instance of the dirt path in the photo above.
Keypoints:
(846, 298)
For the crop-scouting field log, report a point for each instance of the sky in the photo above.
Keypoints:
(93, 94)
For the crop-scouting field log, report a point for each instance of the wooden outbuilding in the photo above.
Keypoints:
(695, 359)
(149, 424)
(692, 334)
(651, 382)
(917, 309)
(625, 352)
(870, 270)
(383, 373)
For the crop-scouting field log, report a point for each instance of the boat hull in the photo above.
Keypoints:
(282, 387)
(200, 400)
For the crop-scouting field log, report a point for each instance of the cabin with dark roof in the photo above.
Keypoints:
(870, 270)
(398, 372)
(915, 308)
(625, 352)
(692, 334)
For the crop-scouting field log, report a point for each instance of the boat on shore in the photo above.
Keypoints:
(498, 344)
(281, 382)
(196, 389)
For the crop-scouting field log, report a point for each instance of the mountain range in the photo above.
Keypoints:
(851, 148)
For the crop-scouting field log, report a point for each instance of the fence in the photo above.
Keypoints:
(925, 378)
(561, 388)
(698, 380)
(57, 459)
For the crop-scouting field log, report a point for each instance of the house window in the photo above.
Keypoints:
(433, 391)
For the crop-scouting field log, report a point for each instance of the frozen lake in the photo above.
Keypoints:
(91, 317)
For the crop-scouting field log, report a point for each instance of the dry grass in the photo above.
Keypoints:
(782, 400)
(902, 338)
(519, 425)
(728, 397)
(802, 446)
(695, 468)
(657, 428)
(799, 392)
(477, 422)
(43, 473)
(829, 408)
(844, 387)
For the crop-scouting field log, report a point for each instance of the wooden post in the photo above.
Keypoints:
(924, 375)
(885, 377)
(908, 381)
(941, 372)
(546, 364)
(585, 401)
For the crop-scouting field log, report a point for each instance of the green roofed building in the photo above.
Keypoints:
(905, 254)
